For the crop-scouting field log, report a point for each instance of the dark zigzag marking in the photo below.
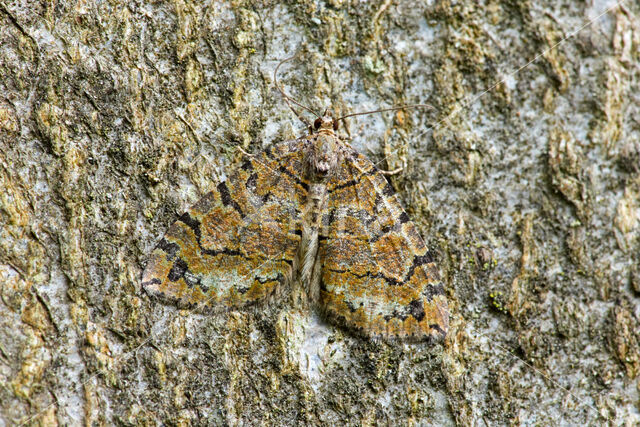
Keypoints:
(418, 260)
(268, 153)
(339, 212)
(403, 218)
(226, 198)
(434, 290)
(252, 181)
(390, 281)
(177, 270)
(252, 185)
(415, 308)
(297, 180)
(428, 339)
(387, 191)
(180, 269)
(194, 225)
(169, 248)
(368, 219)
(341, 320)
(247, 165)
(279, 278)
(352, 182)
(154, 281)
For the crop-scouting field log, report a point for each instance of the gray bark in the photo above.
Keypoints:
(525, 182)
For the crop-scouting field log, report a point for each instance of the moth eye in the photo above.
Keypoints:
(317, 123)
(336, 124)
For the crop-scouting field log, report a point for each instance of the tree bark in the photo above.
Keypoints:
(524, 179)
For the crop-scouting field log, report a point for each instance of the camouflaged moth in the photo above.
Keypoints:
(311, 212)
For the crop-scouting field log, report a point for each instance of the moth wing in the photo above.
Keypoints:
(377, 276)
(237, 245)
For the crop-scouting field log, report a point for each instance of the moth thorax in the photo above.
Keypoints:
(324, 154)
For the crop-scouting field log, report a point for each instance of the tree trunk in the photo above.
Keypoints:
(523, 178)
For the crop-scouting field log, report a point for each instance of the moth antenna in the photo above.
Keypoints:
(400, 107)
(289, 99)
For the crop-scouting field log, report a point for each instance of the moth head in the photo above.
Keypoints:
(326, 122)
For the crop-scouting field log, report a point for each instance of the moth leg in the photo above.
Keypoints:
(245, 153)
(383, 172)
(393, 172)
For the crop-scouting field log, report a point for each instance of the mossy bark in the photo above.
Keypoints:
(525, 181)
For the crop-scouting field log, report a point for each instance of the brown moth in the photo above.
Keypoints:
(314, 213)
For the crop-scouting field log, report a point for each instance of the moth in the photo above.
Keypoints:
(313, 214)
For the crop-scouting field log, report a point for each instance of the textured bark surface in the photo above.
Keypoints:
(525, 181)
